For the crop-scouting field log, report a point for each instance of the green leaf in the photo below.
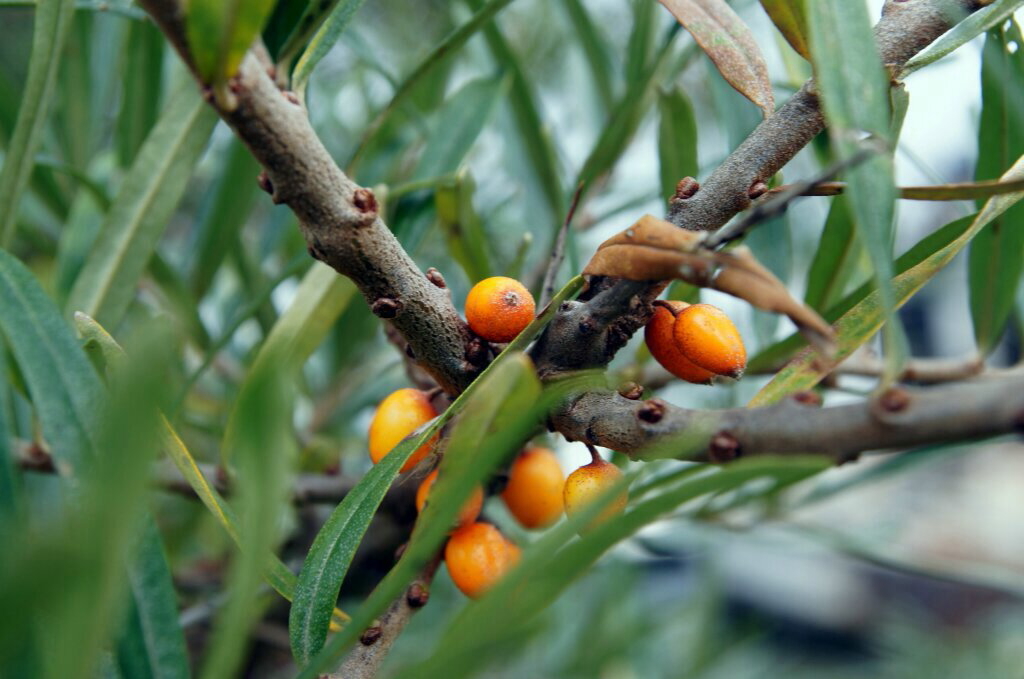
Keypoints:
(277, 574)
(452, 43)
(319, 301)
(858, 324)
(996, 257)
(677, 140)
(534, 135)
(142, 208)
(264, 451)
(11, 501)
(463, 229)
(458, 125)
(224, 212)
(855, 91)
(556, 560)
(152, 645)
(64, 389)
(835, 258)
(790, 17)
(141, 86)
(220, 32)
(331, 554)
(326, 35)
(966, 30)
(52, 21)
(595, 49)
(728, 42)
(624, 121)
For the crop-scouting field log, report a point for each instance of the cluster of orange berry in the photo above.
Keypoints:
(694, 342)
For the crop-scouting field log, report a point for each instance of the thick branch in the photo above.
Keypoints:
(898, 418)
(339, 219)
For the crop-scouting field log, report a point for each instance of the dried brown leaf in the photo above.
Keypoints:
(653, 249)
(728, 42)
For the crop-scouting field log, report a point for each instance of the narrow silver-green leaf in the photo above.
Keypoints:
(855, 92)
(966, 30)
(62, 384)
(319, 301)
(834, 259)
(141, 85)
(677, 140)
(326, 35)
(220, 32)
(52, 21)
(996, 257)
(152, 646)
(142, 208)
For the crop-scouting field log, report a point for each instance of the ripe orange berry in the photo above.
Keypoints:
(397, 416)
(478, 555)
(470, 509)
(590, 482)
(498, 308)
(534, 491)
(708, 338)
(662, 342)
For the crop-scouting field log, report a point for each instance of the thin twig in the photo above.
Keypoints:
(779, 201)
(940, 192)
(558, 253)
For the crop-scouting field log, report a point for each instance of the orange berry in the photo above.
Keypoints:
(478, 555)
(662, 342)
(498, 308)
(590, 482)
(470, 509)
(534, 491)
(708, 338)
(397, 416)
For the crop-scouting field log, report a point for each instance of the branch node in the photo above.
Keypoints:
(371, 636)
(757, 189)
(435, 277)
(685, 188)
(631, 390)
(894, 400)
(364, 201)
(808, 398)
(292, 98)
(652, 411)
(263, 179)
(386, 307)
(723, 447)
(418, 595)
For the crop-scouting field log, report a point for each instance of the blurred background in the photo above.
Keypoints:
(891, 567)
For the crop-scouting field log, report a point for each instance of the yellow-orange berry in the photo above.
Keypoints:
(590, 482)
(397, 416)
(535, 485)
(498, 308)
(707, 337)
(470, 508)
(478, 555)
(662, 342)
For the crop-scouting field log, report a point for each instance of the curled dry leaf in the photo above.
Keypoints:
(653, 249)
(728, 42)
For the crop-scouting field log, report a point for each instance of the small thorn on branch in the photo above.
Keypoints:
(652, 411)
(723, 447)
(435, 277)
(264, 181)
(386, 307)
(418, 595)
(686, 188)
(371, 636)
(807, 398)
(894, 400)
(631, 390)
(364, 201)
(757, 189)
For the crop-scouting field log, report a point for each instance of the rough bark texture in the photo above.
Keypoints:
(339, 219)
(896, 419)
